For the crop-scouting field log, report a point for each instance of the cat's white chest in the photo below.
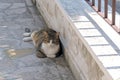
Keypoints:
(50, 49)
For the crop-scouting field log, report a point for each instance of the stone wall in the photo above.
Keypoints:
(82, 60)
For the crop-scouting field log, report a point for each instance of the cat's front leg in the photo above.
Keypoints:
(40, 54)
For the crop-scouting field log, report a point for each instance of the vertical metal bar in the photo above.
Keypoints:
(106, 8)
(93, 2)
(99, 5)
(113, 11)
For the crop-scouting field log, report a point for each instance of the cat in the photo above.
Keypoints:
(46, 42)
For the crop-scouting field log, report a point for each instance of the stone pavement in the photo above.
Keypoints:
(17, 58)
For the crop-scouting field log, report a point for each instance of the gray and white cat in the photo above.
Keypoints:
(46, 42)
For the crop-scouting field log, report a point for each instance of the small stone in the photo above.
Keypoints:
(26, 34)
(27, 30)
(27, 39)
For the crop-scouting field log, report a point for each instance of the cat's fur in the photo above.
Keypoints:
(46, 42)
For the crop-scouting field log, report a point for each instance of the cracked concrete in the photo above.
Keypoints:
(17, 58)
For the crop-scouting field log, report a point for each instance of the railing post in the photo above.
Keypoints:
(99, 5)
(106, 8)
(113, 11)
(93, 2)
(105, 13)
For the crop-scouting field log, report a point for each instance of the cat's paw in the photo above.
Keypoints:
(26, 34)
(27, 39)
(40, 55)
(51, 56)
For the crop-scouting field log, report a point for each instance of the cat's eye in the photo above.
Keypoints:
(45, 41)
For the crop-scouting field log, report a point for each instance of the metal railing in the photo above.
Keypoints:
(104, 14)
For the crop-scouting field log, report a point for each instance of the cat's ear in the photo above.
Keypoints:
(45, 34)
(57, 34)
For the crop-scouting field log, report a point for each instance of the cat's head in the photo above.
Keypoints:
(51, 37)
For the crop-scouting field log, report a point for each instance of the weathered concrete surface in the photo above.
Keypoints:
(91, 45)
(17, 58)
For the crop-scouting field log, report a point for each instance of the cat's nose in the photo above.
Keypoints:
(50, 41)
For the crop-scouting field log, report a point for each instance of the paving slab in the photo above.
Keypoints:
(100, 36)
(17, 58)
